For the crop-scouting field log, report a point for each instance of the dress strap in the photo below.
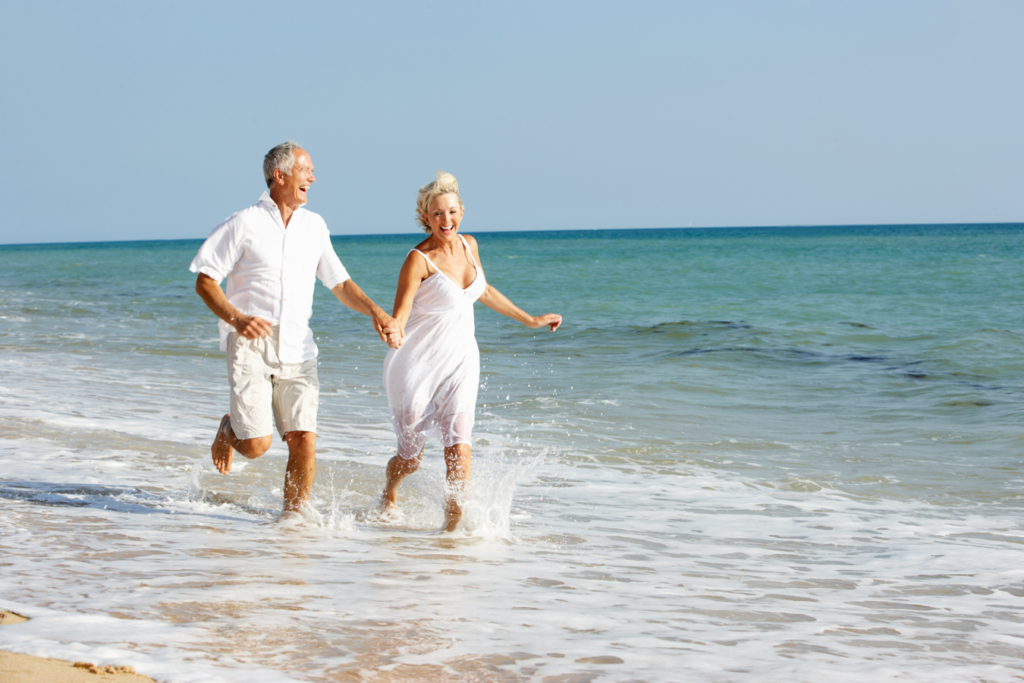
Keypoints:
(469, 252)
(436, 269)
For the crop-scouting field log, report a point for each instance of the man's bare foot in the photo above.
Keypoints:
(290, 517)
(222, 451)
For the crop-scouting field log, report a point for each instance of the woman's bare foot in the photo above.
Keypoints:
(398, 469)
(452, 515)
(386, 505)
(221, 449)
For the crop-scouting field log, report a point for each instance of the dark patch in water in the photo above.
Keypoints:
(688, 325)
(866, 359)
(75, 495)
(694, 352)
(905, 365)
(661, 328)
(114, 498)
(866, 327)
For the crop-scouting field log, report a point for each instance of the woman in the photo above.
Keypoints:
(432, 371)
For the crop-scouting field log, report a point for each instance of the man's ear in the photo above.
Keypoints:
(278, 177)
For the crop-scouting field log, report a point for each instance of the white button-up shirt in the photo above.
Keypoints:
(270, 270)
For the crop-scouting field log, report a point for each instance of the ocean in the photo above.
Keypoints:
(760, 454)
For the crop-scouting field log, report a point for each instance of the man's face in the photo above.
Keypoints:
(294, 187)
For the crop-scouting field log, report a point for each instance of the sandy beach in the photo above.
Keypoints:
(17, 668)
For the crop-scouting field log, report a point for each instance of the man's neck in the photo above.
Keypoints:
(286, 211)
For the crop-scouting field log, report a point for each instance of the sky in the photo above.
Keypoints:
(149, 120)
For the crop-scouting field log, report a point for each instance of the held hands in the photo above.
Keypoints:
(552, 320)
(393, 337)
(251, 327)
(388, 329)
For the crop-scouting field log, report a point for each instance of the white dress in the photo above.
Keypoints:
(432, 379)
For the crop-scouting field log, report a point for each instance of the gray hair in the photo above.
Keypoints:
(445, 184)
(280, 158)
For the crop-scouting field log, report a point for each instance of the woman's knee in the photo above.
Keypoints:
(405, 465)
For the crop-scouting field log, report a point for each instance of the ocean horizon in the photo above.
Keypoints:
(413, 231)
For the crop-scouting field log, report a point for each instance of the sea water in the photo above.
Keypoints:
(788, 454)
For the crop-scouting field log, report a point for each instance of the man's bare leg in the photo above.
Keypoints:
(298, 476)
(458, 461)
(225, 444)
(398, 469)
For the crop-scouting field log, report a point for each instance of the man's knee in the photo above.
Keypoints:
(254, 448)
(301, 442)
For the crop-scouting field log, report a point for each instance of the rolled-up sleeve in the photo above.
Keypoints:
(219, 252)
(329, 270)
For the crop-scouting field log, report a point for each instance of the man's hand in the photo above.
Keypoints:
(250, 326)
(388, 329)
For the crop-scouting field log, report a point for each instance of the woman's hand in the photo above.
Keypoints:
(552, 320)
(393, 337)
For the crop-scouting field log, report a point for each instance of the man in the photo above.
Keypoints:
(270, 253)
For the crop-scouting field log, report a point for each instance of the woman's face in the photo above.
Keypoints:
(443, 215)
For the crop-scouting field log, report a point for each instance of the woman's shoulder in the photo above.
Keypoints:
(423, 246)
(417, 260)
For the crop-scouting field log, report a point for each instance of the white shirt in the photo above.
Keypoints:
(270, 270)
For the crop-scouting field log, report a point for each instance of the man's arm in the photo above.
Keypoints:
(213, 296)
(349, 293)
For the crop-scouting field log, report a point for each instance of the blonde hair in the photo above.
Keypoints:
(445, 184)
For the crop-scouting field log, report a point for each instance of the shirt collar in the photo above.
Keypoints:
(267, 201)
(271, 206)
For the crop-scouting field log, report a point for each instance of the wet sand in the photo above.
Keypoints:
(17, 668)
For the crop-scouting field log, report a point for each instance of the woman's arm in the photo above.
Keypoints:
(497, 301)
(413, 272)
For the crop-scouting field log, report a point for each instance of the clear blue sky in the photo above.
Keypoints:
(149, 120)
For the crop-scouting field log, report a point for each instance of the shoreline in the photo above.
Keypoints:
(21, 668)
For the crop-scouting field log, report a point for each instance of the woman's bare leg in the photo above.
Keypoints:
(458, 460)
(398, 469)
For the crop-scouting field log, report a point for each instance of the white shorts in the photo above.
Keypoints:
(262, 386)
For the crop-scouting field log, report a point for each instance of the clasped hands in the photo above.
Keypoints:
(393, 337)
(390, 331)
